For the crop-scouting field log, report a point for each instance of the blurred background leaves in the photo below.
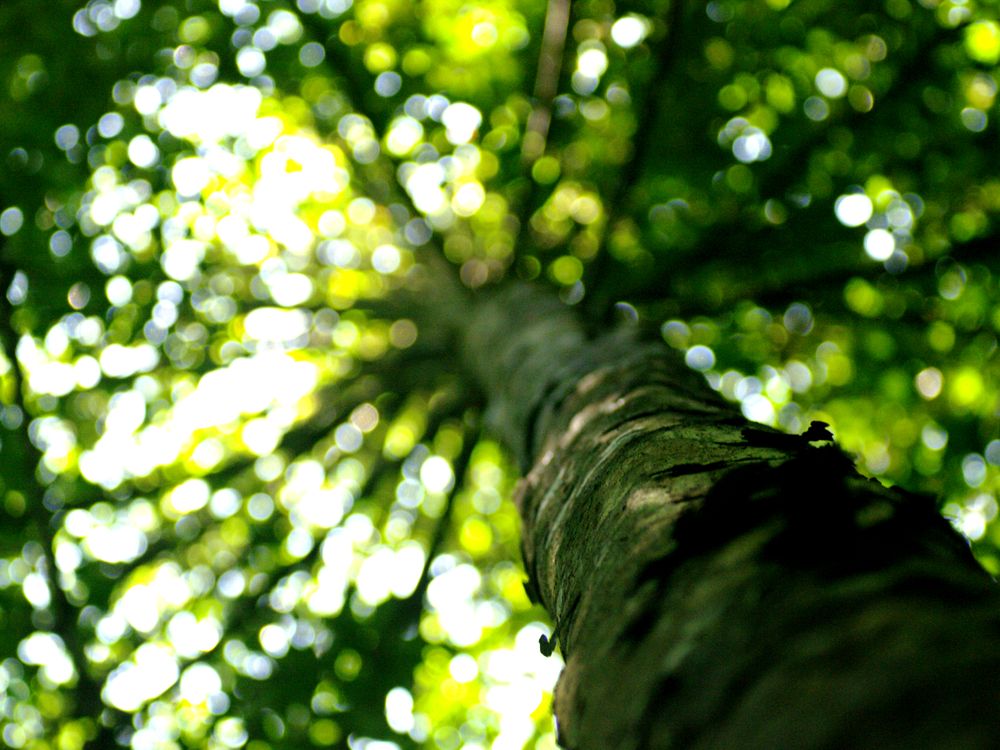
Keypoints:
(247, 498)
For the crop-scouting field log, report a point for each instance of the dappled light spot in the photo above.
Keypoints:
(386, 258)
(201, 684)
(476, 537)
(965, 387)
(274, 640)
(972, 517)
(450, 594)
(147, 99)
(260, 436)
(974, 119)
(982, 41)
(461, 120)
(879, 244)
(399, 709)
(853, 209)
(11, 220)
(757, 408)
(436, 474)
(289, 289)
(187, 497)
(191, 637)
(748, 142)
(117, 542)
(992, 452)
(468, 198)
(47, 650)
(251, 61)
(831, 83)
(816, 108)
(260, 506)
(388, 83)
(143, 152)
(274, 325)
(630, 30)
(566, 270)
(348, 437)
(974, 471)
(403, 135)
(151, 672)
(798, 319)
(700, 358)
(929, 382)
(934, 437)
(190, 176)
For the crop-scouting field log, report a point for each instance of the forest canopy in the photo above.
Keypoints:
(250, 496)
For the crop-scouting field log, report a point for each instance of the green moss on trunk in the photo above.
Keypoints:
(715, 584)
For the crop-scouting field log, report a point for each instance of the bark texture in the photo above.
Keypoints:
(716, 584)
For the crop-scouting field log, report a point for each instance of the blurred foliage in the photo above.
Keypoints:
(246, 498)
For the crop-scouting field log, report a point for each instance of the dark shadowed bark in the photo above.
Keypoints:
(716, 584)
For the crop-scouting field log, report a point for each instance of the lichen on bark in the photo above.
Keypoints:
(716, 584)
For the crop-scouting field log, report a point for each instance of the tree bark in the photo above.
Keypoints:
(717, 584)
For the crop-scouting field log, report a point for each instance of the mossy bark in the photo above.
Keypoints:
(716, 584)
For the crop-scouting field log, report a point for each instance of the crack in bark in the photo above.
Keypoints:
(679, 470)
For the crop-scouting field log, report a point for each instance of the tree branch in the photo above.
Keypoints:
(535, 139)
(550, 63)
(616, 203)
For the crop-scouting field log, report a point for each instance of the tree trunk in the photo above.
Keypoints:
(716, 584)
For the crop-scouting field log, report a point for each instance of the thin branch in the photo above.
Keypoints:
(535, 140)
(646, 135)
(782, 286)
(775, 178)
(628, 177)
(550, 63)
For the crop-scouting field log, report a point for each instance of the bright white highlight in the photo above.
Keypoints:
(592, 62)
(463, 668)
(206, 117)
(748, 142)
(151, 672)
(753, 145)
(700, 358)
(758, 408)
(199, 683)
(929, 382)
(853, 210)
(628, 31)
(399, 710)
(879, 244)
(436, 474)
(47, 650)
(831, 83)
(460, 121)
(404, 134)
(190, 176)
(271, 381)
(142, 151)
(450, 594)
